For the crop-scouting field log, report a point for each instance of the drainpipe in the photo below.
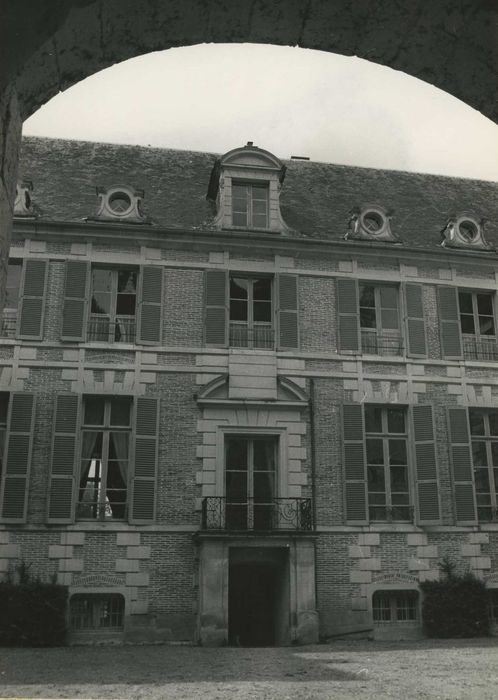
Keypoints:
(313, 468)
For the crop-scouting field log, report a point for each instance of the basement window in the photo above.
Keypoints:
(395, 606)
(93, 612)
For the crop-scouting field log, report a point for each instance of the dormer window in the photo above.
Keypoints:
(120, 203)
(245, 185)
(372, 222)
(464, 231)
(250, 204)
(23, 205)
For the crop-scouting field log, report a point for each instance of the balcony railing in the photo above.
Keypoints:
(480, 348)
(260, 336)
(102, 329)
(9, 323)
(90, 509)
(252, 515)
(374, 343)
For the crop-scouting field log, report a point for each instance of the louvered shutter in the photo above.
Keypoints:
(143, 492)
(216, 308)
(425, 465)
(32, 306)
(348, 312)
(461, 460)
(449, 323)
(415, 322)
(76, 298)
(355, 482)
(288, 326)
(149, 330)
(17, 458)
(63, 467)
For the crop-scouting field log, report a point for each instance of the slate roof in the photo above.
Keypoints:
(316, 200)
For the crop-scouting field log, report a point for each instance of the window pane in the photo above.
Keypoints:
(13, 284)
(259, 221)
(259, 207)
(120, 411)
(484, 304)
(467, 323)
(263, 487)
(101, 280)
(486, 325)
(479, 454)
(94, 410)
(264, 454)
(373, 419)
(375, 452)
(399, 480)
(238, 310)
(91, 447)
(238, 288)
(236, 453)
(259, 191)
(4, 405)
(493, 422)
(376, 480)
(101, 303)
(397, 452)
(389, 297)
(494, 453)
(239, 219)
(236, 487)
(367, 318)
(465, 302)
(367, 295)
(239, 191)
(481, 477)
(262, 311)
(476, 419)
(127, 281)
(125, 305)
(262, 289)
(395, 420)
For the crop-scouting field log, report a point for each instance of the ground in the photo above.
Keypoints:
(439, 669)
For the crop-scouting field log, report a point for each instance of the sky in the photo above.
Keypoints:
(290, 101)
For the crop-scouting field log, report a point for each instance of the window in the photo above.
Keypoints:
(96, 612)
(379, 320)
(387, 463)
(484, 437)
(250, 204)
(395, 606)
(4, 405)
(251, 312)
(493, 605)
(103, 485)
(250, 482)
(477, 323)
(13, 286)
(113, 305)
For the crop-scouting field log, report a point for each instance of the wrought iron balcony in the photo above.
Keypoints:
(9, 323)
(118, 330)
(260, 336)
(251, 515)
(480, 348)
(374, 343)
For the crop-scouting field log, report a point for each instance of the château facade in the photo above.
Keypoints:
(245, 401)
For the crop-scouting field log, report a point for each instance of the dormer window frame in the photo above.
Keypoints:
(252, 186)
(129, 209)
(251, 167)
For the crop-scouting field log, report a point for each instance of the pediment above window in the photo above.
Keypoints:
(371, 223)
(217, 390)
(245, 185)
(119, 203)
(464, 231)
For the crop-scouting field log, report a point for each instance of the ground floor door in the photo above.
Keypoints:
(258, 597)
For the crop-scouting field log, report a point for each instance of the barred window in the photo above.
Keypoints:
(395, 606)
(477, 323)
(96, 612)
(113, 305)
(379, 319)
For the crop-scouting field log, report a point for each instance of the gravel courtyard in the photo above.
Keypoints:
(447, 670)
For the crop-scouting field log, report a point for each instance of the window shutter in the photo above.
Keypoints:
(415, 323)
(30, 324)
(76, 296)
(61, 489)
(461, 461)
(449, 323)
(143, 492)
(347, 308)
(354, 464)
(288, 326)
(216, 308)
(17, 458)
(425, 465)
(150, 306)
(389, 312)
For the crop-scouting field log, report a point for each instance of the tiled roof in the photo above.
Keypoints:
(316, 201)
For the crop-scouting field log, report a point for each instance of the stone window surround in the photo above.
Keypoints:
(391, 587)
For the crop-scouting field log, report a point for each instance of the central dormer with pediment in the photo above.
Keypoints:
(245, 185)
